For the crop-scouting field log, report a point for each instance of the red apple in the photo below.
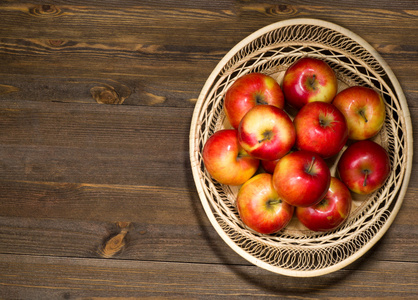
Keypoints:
(364, 167)
(364, 110)
(301, 178)
(308, 80)
(321, 128)
(269, 165)
(259, 206)
(248, 91)
(331, 212)
(266, 132)
(226, 161)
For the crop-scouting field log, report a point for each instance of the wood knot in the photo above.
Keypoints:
(280, 9)
(115, 242)
(56, 43)
(108, 95)
(46, 10)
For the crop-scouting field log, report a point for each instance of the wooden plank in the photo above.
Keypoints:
(147, 88)
(144, 204)
(161, 15)
(28, 277)
(162, 228)
(95, 144)
(68, 60)
(162, 240)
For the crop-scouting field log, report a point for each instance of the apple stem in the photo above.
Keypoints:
(311, 165)
(312, 81)
(363, 115)
(267, 135)
(273, 202)
(259, 99)
(242, 154)
(365, 177)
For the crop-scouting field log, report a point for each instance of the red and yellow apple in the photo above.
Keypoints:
(266, 132)
(307, 80)
(226, 161)
(248, 91)
(321, 128)
(301, 178)
(330, 212)
(364, 110)
(259, 206)
(364, 167)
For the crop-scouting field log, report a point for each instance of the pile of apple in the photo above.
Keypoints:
(295, 152)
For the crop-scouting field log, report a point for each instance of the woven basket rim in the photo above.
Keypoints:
(193, 147)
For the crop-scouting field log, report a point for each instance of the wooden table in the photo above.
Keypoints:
(97, 194)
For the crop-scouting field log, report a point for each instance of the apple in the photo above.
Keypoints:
(307, 80)
(248, 91)
(259, 206)
(226, 161)
(364, 110)
(364, 167)
(330, 212)
(266, 132)
(269, 165)
(321, 128)
(301, 178)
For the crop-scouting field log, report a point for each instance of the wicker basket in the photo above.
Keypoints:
(296, 251)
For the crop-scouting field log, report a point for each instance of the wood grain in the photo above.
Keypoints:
(152, 63)
(84, 278)
(97, 201)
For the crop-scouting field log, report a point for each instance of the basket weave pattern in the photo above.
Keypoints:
(271, 51)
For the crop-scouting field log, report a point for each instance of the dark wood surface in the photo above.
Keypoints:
(97, 201)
